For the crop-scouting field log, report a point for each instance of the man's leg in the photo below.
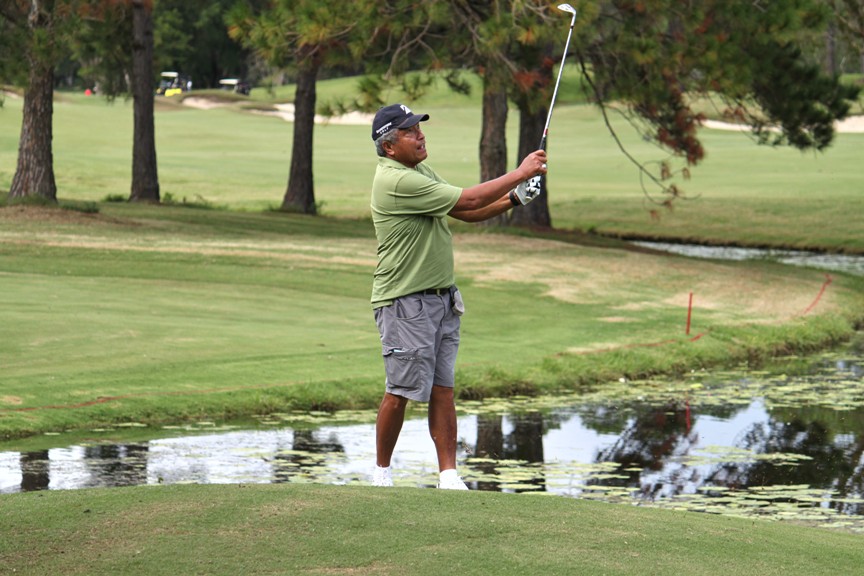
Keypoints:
(442, 426)
(391, 414)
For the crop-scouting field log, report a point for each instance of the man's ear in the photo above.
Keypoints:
(388, 148)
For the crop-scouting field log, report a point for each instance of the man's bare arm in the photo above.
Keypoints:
(487, 193)
(498, 207)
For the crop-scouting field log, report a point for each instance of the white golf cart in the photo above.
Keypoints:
(235, 85)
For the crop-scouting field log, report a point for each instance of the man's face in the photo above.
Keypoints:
(410, 146)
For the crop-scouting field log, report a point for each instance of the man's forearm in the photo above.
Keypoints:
(487, 193)
(497, 208)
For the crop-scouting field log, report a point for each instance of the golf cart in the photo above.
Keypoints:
(174, 83)
(235, 85)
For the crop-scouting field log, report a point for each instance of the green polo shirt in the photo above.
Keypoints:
(415, 248)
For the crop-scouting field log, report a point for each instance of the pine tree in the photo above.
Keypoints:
(305, 36)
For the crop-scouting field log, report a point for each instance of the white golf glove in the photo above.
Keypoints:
(528, 190)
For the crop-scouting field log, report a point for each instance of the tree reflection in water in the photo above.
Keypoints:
(524, 443)
(653, 444)
(34, 471)
(306, 455)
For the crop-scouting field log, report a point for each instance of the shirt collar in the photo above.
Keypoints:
(391, 163)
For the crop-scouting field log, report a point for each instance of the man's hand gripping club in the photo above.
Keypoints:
(535, 166)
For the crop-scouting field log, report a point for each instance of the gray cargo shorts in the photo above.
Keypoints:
(419, 342)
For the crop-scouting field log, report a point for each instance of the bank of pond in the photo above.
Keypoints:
(785, 444)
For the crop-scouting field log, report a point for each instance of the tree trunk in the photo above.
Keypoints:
(300, 195)
(831, 64)
(145, 177)
(493, 139)
(34, 173)
(535, 214)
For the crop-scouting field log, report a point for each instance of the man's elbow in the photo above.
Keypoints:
(465, 215)
(467, 203)
(471, 200)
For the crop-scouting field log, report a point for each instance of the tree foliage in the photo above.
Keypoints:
(655, 61)
(191, 36)
(657, 56)
(114, 38)
(510, 45)
(307, 36)
(303, 35)
(849, 16)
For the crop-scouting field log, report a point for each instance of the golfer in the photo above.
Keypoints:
(416, 304)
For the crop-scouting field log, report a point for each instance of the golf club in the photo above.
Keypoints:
(571, 10)
(529, 189)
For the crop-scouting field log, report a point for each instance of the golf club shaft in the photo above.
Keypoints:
(557, 82)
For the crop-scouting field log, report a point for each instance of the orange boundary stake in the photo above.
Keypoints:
(816, 300)
(828, 280)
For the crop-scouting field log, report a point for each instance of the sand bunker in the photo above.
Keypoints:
(853, 124)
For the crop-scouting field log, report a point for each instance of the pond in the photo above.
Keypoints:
(788, 444)
(849, 263)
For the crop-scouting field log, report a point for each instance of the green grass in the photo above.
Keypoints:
(164, 314)
(168, 314)
(231, 158)
(307, 529)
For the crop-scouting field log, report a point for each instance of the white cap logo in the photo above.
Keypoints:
(405, 109)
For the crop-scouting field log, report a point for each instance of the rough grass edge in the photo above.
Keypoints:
(723, 347)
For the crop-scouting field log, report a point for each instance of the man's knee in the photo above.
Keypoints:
(394, 401)
(442, 393)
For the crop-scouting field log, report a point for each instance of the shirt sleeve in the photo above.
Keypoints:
(422, 193)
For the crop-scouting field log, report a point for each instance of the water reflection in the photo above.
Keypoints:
(749, 444)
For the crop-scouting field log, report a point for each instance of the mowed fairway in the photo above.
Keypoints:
(741, 193)
(164, 314)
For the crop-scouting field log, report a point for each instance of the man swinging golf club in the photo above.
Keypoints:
(416, 304)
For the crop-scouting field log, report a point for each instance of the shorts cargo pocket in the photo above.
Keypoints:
(405, 367)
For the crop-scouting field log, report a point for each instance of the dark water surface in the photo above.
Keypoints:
(743, 443)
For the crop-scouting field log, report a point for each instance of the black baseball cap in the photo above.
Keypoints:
(394, 116)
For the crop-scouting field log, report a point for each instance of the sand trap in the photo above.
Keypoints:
(853, 124)
(205, 103)
(286, 112)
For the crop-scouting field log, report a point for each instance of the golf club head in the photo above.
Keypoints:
(568, 8)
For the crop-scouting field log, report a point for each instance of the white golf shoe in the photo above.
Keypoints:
(450, 480)
(382, 476)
